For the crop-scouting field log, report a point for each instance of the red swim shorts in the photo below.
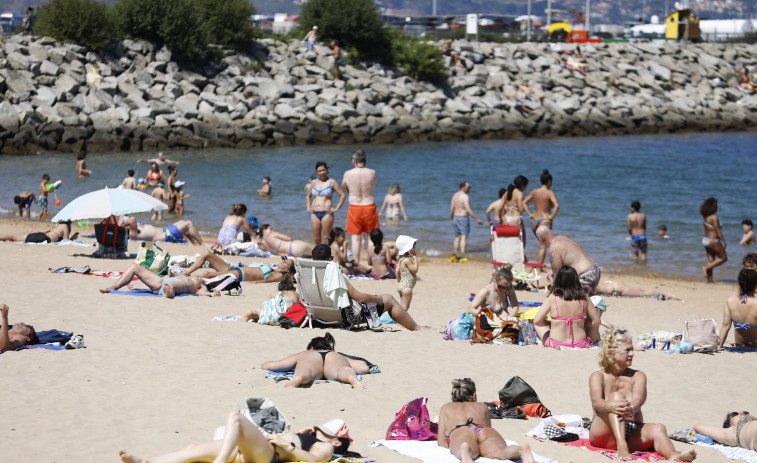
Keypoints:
(362, 219)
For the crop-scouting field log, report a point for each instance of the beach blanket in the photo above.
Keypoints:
(227, 318)
(286, 375)
(86, 271)
(359, 277)
(144, 292)
(733, 453)
(60, 243)
(430, 452)
(740, 349)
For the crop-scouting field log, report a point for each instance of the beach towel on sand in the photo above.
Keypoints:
(286, 375)
(733, 453)
(430, 452)
(144, 292)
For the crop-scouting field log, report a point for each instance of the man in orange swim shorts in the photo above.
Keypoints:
(362, 216)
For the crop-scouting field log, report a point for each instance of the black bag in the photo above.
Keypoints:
(358, 313)
(517, 392)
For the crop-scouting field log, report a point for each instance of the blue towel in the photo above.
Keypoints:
(740, 349)
(529, 304)
(144, 292)
(53, 336)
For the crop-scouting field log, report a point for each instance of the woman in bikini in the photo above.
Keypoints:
(567, 306)
(168, 286)
(713, 240)
(498, 295)
(279, 243)
(513, 205)
(741, 311)
(320, 204)
(465, 428)
(380, 258)
(263, 273)
(232, 223)
(739, 430)
(617, 394)
(243, 442)
(320, 361)
(336, 241)
(154, 175)
(393, 203)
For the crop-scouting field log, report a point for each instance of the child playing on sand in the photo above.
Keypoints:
(407, 269)
(393, 203)
(379, 257)
(24, 200)
(43, 197)
(617, 394)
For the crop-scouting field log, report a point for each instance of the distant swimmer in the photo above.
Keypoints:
(160, 160)
(265, 190)
(362, 215)
(154, 175)
(161, 195)
(713, 241)
(130, 183)
(173, 233)
(393, 203)
(662, 230)
(460, 213)
(748, 237)
(495, 206)
(81, 165)
(25, 199)
(546, 208)
(637, 228)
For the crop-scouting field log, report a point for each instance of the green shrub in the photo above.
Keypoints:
(420, 60)
(84, 22)
(352, 23)
(178, 24)
(229, 22)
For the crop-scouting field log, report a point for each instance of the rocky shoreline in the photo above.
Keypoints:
(132, 97)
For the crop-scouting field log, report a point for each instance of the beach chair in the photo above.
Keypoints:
(310, 275)
(507, 248)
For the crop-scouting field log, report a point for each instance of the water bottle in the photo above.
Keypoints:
(702, 438)
(349, 254)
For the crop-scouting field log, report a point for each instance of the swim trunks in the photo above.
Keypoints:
(639, 242)
(43, 202)
(29, 201)
(461, 225)
(361, 219)
(590, 279)
(173, 235)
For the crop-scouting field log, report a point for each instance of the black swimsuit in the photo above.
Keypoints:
(307, 441)
(324, 354)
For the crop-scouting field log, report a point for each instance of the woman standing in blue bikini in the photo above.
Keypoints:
(320, 205)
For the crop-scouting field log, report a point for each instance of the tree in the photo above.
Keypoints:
(228, 22)
(84, 22)
(420, 60)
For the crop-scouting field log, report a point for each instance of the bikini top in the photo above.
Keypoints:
(507, 299)
(307, 441)
(154, 175)
(708, 224)
(327, 191)
(568, 320)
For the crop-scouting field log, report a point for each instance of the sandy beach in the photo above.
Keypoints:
(158, 374)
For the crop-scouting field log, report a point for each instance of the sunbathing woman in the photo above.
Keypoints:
(320, 361)
(244, 443)
(465, 428)
(380, 257)
(567, 306)
(279, 243)
(617, 394)
(739, 430)
(59, 232)
(168, 286)
(320, 202)
(232, 223)
(336, 241)
(741, 310)
(498, 295)
(264, 273)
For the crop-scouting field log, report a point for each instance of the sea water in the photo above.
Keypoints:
(595, 180)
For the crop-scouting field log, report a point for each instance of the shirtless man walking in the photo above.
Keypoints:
(459, 215)
(545, 209)
(637, 228)
(362, 215)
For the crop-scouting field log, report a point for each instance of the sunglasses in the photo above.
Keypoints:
(504, 288)
(733, 414)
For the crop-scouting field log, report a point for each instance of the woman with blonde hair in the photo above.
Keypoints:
(393, 203)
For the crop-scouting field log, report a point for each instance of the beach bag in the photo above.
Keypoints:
(527, 335)
(701, 332)
(110, 236)
(262, 412)
(412, 423)
(294, 317)
(517, 392)
(150, 256)
(358, 313)
(460, 328)
(227, 283)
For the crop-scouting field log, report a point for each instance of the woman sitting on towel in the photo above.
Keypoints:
(320, 361)
(279, 302)
(739, 430)
(499, 295)
(617, 394)
(243, 442)
(465, 428)
(567, 306)
(741, 310)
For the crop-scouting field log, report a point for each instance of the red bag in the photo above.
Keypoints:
(109, 234)
(536, 410)
(293, 317)
(413, 423)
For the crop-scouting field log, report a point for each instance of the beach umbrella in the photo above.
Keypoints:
(103, 203)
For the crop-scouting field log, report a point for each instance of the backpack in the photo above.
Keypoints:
(517, 392)
(413, 423)
(460, 328)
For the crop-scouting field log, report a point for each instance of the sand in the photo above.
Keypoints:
(158, 374)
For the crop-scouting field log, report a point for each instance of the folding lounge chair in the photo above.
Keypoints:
(507, 248)
(310, 276)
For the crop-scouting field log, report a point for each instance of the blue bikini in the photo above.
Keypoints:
(326, 192)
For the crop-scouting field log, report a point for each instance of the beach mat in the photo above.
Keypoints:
(612, 454)
(430, 452)
(143, 292)
(740, 349)
(286, 375)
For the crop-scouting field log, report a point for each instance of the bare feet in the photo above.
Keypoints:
(525, 454)
(247, 316)
(357, 384)
(294, 382)
(168, 291)
(623, 453)
(106, 290)
(126, 458)
(688, 455)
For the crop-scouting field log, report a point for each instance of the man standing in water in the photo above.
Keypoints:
(637, 228)
(545, 209)
(362, 215)
(459, 215)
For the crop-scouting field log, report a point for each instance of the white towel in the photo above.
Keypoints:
(430, 452)
(334, 286)
(733, 453)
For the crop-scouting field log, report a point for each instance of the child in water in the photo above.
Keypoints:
(407, 269)
(179, 197)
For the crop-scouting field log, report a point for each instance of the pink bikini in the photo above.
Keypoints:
(585, 342)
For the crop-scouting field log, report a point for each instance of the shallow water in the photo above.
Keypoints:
(595, 180)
